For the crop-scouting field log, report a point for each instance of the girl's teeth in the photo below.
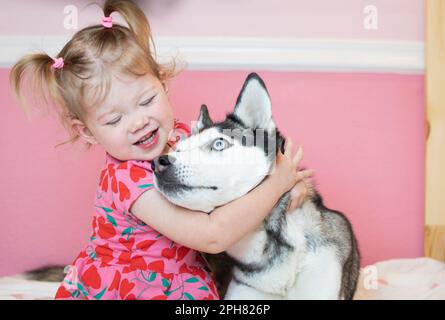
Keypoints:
(148, 139)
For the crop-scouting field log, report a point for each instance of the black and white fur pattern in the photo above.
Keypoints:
(310, 253)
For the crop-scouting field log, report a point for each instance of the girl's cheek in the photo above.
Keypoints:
(112, 134)
(168, 112)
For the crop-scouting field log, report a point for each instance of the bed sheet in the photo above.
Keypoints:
(420, 278)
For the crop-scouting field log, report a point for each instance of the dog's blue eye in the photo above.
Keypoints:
(219, 144)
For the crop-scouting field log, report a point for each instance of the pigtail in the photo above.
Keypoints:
(135, 18)
(36, 71)
(140, 28)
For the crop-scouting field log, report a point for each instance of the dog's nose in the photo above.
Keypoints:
(161, 163)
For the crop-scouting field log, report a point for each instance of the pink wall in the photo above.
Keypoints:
(398, 19)
(363, 134)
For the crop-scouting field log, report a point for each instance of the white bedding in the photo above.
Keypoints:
(19, 288)
(420, 278)
(414, 279)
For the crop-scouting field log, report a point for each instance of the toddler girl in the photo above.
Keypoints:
(109, 90)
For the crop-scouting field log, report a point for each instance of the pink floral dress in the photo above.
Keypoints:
(126, 258)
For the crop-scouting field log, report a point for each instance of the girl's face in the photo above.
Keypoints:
(134, 121)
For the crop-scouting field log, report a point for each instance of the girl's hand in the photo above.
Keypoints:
(285, 173)
(299, 194)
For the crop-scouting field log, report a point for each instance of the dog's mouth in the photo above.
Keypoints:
(188, 187)
(176, 186)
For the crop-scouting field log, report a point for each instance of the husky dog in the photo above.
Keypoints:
(310, 253)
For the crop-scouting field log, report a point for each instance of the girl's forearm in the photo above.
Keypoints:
(231, 222)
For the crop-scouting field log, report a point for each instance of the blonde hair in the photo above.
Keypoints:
(90, 58)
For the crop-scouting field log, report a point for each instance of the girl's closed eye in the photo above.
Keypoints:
(117, 119)
(148, 101)
(114, 121)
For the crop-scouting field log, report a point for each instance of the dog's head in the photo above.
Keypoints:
(222, 161)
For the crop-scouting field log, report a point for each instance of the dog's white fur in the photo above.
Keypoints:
(306, 272)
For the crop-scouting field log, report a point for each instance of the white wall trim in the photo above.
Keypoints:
(232, 53)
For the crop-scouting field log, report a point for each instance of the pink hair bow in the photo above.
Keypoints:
(58, 63)
(107, 22)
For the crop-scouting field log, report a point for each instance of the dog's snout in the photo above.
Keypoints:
(160, 163)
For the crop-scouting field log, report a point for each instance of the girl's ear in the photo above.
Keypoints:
(85, 133)
(165, 86)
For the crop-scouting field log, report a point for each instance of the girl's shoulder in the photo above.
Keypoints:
(125, 165)
(125, 181)
(122, 182)
(180, 131)
(182, 127)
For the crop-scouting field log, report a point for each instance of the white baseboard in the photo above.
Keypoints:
(283, 54)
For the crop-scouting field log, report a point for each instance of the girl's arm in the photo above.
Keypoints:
(224, 226)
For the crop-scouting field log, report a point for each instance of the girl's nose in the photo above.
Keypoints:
(139, 123)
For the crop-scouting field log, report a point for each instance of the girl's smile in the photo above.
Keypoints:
(149, 140)
(134, 120)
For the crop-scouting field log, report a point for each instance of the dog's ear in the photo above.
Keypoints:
(253, 106)
(204, 120)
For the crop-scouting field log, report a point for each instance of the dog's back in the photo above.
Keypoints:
(337, 231)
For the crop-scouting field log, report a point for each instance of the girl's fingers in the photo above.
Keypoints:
(298, 195)
(298, 156)
(288, 149)
(291, 205)
(304, 174)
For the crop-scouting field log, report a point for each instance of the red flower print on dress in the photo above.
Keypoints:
(122, 166)
(62, 293)
(192, 270)
(116, 281)
(131, 263)
(145, 245)
(125, 287)
(94, 226)
(127, 243)
(106, 230)
(182, 252)
(104, 253)
(127, 269)
(91, 277)
(124, 257)
(82, 255)
(138, 263)
(124, 192)
(112, 175)
(168, 276)
(157, 266)
(137, 173)
(169, 253)
(107, 174)
(103, 181)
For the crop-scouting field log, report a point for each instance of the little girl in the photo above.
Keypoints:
(109, 90)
